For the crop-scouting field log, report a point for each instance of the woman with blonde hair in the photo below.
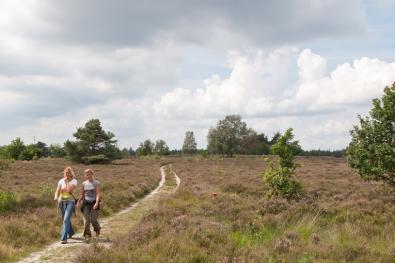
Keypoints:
(90, 203)
(66, 202)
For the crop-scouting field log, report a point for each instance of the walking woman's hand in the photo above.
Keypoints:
(96, 206)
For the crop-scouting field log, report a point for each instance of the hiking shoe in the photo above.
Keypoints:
(63, 242)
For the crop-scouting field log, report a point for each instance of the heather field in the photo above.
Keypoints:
(220, 213)
(340, 219)
(30, 221)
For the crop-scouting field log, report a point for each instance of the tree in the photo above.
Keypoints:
(132, 152)
(44, 149)
(189, 145)
(253, 143)
(275, 138)
(279, 179)
(94, 137)
(57, 151)
(17, 150)
(14, 149)
(161, 148)
(372, 148)
(31, 152)
(145, 148)
(225, 138)
(93, 145)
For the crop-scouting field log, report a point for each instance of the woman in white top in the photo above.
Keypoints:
(66, 202)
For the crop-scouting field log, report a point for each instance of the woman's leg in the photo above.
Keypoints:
(62, 208)
(68, 208)
(95, 223)
(86, 211)
(71, 232)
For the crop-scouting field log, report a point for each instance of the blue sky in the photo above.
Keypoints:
(158, 69)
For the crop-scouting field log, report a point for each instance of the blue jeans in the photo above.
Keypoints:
(67, 209)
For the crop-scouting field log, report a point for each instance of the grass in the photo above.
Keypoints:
(340, 219)
(28, 216)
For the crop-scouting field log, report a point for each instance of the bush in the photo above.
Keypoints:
(280, 182)
(279, 179)
(57, 151)
(13, 150)
(371, 150)
(17, 150)
(4, 164)
(8, 201)
(31, 152)
(96, 159)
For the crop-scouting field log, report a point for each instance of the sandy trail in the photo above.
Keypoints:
(112, 226)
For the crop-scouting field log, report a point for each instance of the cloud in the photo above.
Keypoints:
(253, 87)
(125, 23)
(82, 79)
(261, 87)
(348, 84)
(135, 66)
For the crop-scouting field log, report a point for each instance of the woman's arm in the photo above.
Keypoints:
(81, 197)
(97, 197)
(81, 194)
(69, 187)
(57, 191)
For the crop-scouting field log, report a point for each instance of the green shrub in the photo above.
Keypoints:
(56, 150)
(8, 201)
(280, 182)
(371, 150)
(4, 164)
(13, 150)
(96, 159)
(279, 179)
(31, 152)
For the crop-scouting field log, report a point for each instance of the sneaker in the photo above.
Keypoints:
(63, 242)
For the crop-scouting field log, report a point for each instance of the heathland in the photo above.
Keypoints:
(28, 214)
(220, 213)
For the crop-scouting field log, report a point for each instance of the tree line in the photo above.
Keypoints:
(94, 145)
(371, 151)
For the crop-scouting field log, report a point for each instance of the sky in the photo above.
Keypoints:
(156, 69)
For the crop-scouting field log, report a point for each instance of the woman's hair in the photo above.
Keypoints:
(68, 168)
(89, 170)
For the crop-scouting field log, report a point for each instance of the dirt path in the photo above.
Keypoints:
(112, 226)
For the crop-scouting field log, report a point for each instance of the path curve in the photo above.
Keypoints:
(111, 226)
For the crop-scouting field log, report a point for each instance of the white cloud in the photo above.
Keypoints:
(347, 84)
(321, 105)
(253, 87)
(262, 84)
